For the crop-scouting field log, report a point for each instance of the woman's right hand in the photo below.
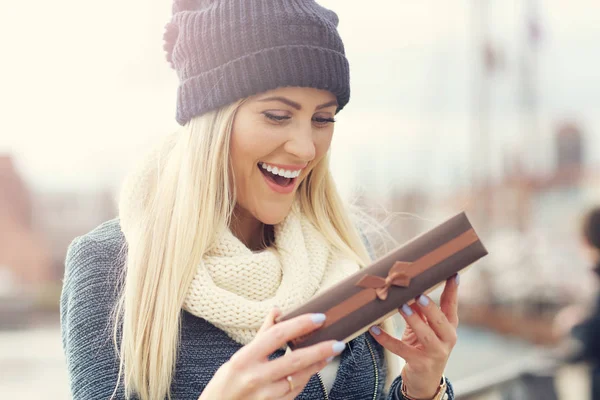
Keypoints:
(249, 374)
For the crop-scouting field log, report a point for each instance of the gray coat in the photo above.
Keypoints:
(94, 263)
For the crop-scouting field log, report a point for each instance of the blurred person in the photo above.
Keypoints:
(233, 220)
(575, 321)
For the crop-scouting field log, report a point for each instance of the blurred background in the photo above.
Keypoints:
(484, 106)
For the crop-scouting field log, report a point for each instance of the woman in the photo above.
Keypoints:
(234, 220)
(575, 322)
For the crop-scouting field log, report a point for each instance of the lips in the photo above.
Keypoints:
(276, 178)
(279, 180)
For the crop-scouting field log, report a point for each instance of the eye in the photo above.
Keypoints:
(276, 117)
(323, 121)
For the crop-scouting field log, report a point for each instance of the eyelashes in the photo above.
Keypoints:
(332, 120)
(281, 118)
(277, 118)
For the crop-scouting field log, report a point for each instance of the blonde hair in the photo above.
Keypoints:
(170, 218)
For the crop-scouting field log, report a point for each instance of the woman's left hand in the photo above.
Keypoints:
(427, 342)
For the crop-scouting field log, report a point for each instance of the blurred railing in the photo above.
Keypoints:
(536, 378)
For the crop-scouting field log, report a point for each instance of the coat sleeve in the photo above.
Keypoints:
(87, 300)
(587, 333)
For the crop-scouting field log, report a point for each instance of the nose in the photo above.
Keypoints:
(301, 144)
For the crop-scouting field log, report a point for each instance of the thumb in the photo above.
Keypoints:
(270, 319)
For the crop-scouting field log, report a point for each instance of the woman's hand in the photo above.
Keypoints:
(250, 375)
(427, 342)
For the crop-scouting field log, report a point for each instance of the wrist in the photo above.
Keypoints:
(435, 389)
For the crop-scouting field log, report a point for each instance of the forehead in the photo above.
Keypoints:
(303, 95)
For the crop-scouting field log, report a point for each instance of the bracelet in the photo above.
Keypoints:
(439, 395)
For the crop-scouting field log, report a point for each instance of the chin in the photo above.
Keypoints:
(273, 214)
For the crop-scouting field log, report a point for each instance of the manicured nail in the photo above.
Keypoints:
(338, 347)
(457, 279)
(376, 330)
(407, 310)
(318, 318)
(330, 359)
(423, 300)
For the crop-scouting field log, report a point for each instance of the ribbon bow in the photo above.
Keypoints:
(397, 276)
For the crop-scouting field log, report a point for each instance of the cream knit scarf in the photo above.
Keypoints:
(235, 288)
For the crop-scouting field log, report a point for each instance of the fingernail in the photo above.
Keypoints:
(338, 347)
(318, 318)
(423, 300)
(457, 279)
(407, 310)
(376, 330)
(330, 359)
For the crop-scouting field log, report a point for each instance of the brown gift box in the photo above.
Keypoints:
(374, 293)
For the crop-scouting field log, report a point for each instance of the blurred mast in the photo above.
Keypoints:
(480, 131)
(530, 152)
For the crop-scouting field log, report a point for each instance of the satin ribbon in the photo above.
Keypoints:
(400, 274)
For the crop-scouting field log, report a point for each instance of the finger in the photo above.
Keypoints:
(449, 300)
(424, 333)
(417, 310)
(270, 319)
(300, 359)
(280, 389)
(304, 376)
(277, 336)
(437, 320)
(393, 344)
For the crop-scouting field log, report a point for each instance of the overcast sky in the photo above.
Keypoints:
(84, 86)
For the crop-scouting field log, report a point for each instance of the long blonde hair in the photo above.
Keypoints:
(171, 210)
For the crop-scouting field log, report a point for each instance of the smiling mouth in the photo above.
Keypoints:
(281, 178)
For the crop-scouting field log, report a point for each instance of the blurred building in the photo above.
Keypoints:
(62, 216)
(37, 227)
(24, 253)
(569, 147)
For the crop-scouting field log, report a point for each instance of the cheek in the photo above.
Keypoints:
(242, 155)
(322, 145)
(249, 145)
(242, 146)
(252, 141)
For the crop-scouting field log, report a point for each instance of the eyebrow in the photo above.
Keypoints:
(296, 105)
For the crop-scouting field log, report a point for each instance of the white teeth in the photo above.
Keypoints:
(281, 172)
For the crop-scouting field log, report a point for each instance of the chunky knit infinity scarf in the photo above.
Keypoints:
(235, 288)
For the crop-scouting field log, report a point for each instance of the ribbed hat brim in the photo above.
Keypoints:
(267, 69)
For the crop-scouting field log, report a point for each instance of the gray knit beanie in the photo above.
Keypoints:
(225, 50)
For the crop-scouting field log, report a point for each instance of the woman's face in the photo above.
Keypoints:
(278, 137)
